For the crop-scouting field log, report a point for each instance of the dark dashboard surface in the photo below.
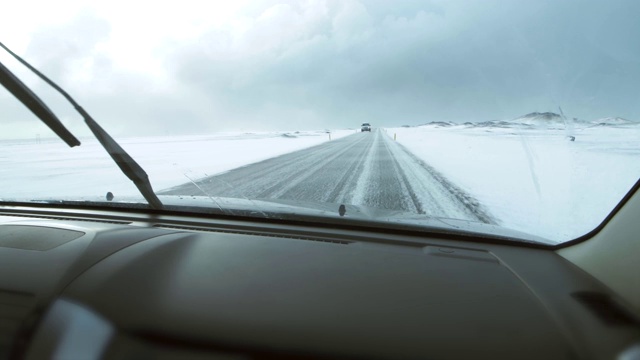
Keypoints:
(149, 288)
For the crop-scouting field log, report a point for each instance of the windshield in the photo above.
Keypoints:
(513, 116)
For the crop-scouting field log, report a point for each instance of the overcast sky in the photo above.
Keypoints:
(192, 67)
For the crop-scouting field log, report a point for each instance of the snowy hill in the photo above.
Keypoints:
(535, 120)
(491, 123)
(438, 124)
(614, 121)
(546, 119)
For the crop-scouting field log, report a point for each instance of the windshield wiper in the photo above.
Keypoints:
(124, 161)
(33, 102)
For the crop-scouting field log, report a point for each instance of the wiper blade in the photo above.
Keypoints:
(33, 102)
(124, 161)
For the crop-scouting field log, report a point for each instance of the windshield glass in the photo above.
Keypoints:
(490, 116)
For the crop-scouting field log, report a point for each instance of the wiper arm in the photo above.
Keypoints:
(33, 102)
(124, 161)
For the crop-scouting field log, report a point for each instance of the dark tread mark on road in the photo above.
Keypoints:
(350, 176)
(414, 199)
(232, 183)
(301, 173)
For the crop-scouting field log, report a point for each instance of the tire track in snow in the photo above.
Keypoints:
(251, 181)
(434, 190)
(383, 184)
(366, 169)
(407, 185)
(296, 173)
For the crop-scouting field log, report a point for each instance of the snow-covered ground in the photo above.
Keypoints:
(531, 177)
(32, 170)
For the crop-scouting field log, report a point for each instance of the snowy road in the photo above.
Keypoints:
(367, 169)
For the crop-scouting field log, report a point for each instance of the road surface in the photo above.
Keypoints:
(367, 168)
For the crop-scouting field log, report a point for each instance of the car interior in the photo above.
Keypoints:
(149, 279)
(81, 282)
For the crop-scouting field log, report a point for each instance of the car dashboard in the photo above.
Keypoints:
(106, 284)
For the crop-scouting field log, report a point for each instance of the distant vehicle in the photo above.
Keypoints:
(366, 127)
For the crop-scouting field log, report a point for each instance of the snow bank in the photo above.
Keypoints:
(534, 180)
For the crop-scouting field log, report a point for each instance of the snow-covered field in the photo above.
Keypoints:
(533, 178)
(529, 177)
(31, 170)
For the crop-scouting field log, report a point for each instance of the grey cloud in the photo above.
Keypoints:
(322, 64)
(446, 61)
(58, 49)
